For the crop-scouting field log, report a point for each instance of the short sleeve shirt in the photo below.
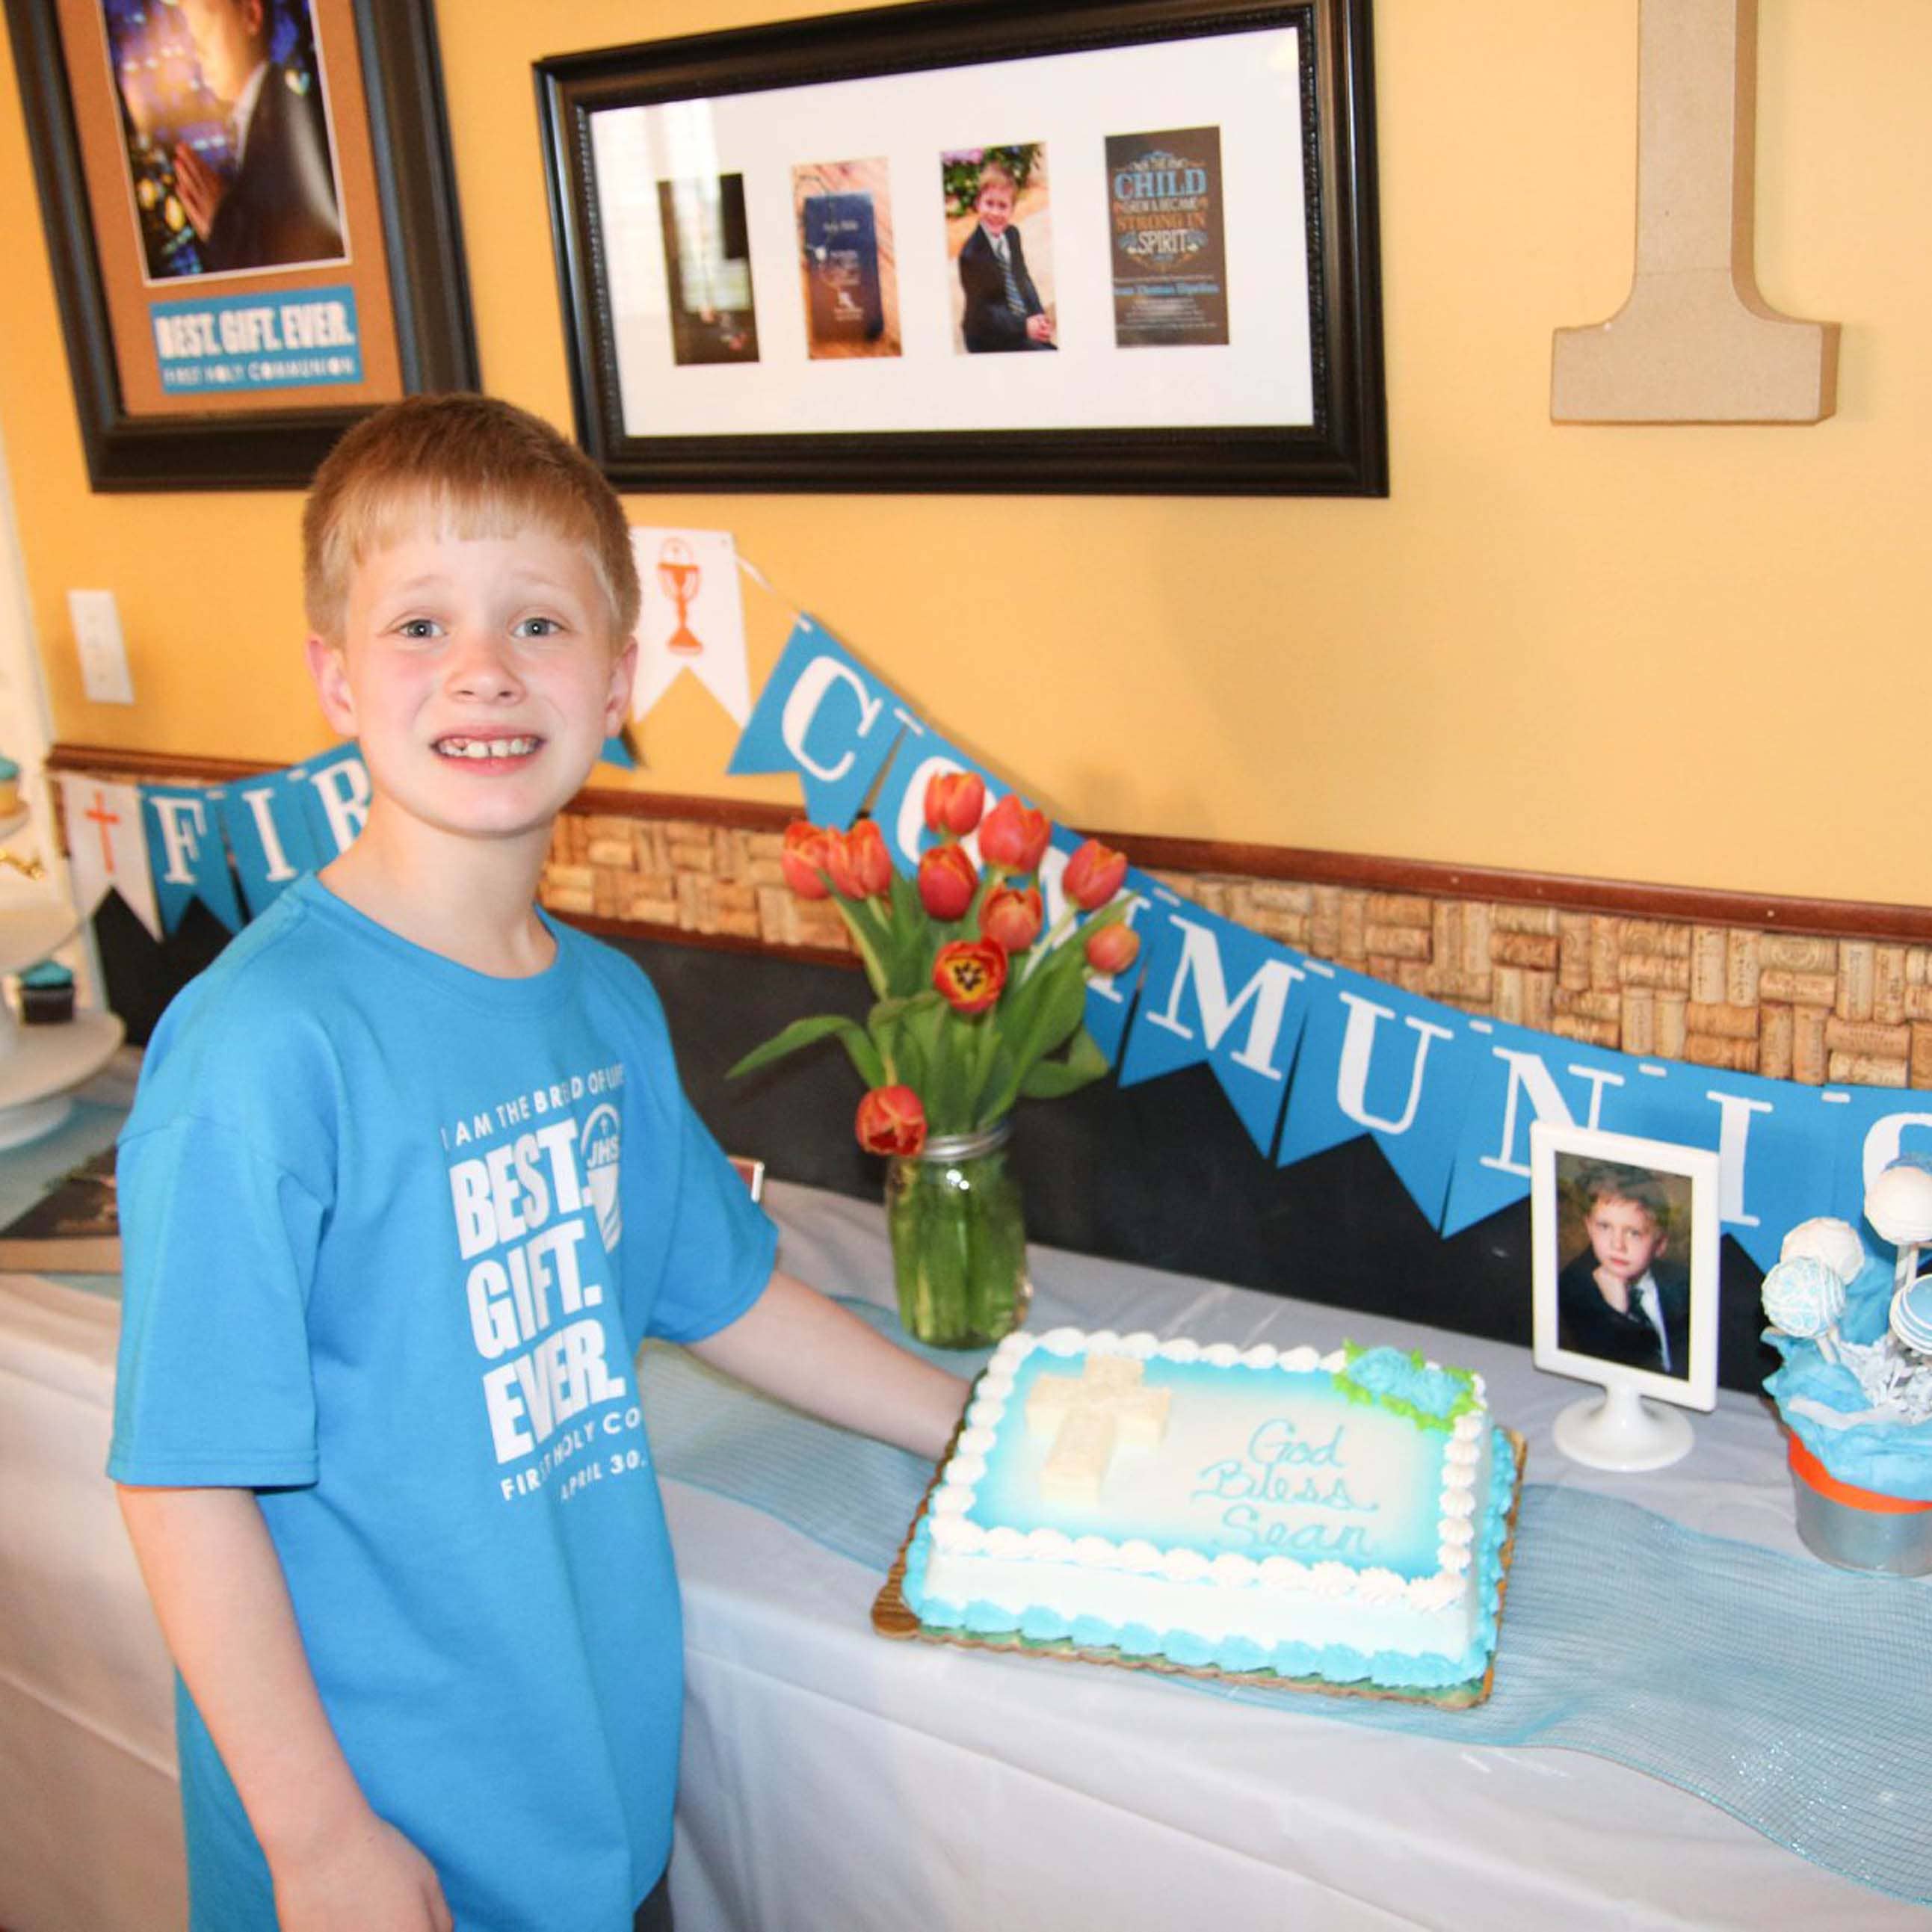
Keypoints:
(393, 1232)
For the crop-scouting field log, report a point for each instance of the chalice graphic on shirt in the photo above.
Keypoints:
(679, 577)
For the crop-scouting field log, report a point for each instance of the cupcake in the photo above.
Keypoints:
(47, 994)
(9, 788)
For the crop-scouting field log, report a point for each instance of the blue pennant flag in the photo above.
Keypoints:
(186, 853)
(1374, 1060)
(335, 797)
(1777, 1144)
(1871, 1127)
(823, 716)
(617, 751)
(1110, 997)
(1214, 991)
(267, 822)
(900, 807)
(1518, 1076)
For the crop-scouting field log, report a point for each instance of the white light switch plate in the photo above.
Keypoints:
(103, 653)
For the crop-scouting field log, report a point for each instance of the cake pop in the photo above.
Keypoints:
(1898, 1204)
(1911, 1316)
(1825, 1238)
(1803, 1296)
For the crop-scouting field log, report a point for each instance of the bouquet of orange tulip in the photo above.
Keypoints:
(976, 1007)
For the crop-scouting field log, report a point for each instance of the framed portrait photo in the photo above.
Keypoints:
(250, 211)
(1624, 1235)
(1091, 245)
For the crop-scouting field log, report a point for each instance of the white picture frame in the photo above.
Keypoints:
(1657, 1209)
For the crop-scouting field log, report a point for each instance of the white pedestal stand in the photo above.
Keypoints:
(40, 1065)
(1619, 1430)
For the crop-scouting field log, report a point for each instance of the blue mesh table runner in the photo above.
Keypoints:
(1805, 1733)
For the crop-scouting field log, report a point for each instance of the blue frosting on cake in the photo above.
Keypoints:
(1335, 1663)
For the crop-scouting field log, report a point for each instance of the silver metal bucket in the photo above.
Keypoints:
(1896, 1542)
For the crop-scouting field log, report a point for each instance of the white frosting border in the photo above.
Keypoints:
(954, 1533)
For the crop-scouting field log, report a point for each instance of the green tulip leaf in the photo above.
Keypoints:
(1049, 1079)
(853, 1037)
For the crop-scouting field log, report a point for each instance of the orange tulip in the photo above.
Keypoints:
(954, 801)
(1113, 949)
(1093, 875)
(1012, 915)
(860, 866)
(946, 881)
(1013, 836)
(971, 974)
(805, 856)
(891, 1120)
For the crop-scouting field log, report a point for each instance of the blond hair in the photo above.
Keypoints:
(469, 466)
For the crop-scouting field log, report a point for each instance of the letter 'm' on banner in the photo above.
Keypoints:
(1187, 1014)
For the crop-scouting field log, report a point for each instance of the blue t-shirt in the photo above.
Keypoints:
(393, 1231)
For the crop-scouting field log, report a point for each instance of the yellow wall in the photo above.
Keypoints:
(1693, 655)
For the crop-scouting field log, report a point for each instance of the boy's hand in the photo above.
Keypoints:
(369, 1879)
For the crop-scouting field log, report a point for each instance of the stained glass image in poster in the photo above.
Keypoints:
(708, 259)
(845, 215)
(223, 114)
(999, 238)
(1170, 254)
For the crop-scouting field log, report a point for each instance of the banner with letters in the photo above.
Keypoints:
(234, 848)
(1311, 1055)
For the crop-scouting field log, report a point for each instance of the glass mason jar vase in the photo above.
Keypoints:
(958, 1239)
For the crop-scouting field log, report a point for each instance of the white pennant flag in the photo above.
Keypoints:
(106, 846)
(693, 618)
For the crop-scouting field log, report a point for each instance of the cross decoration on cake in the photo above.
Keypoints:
(1107, 1407)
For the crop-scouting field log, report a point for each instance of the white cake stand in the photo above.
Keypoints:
(1619, 1429)
(40, 1065)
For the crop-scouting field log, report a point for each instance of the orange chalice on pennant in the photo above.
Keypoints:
(679, 577)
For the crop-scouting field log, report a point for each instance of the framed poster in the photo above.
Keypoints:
(1105, 245)
(250, 211)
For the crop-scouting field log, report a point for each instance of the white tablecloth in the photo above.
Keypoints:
(832, 1778)
(835, 1779)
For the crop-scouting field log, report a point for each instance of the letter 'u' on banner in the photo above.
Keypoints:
(188, 853)
(1377, 1061)
(267, 822)
(823, 716)
(106, 850)
(1214, 991)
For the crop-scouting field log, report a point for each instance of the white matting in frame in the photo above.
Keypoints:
(1246, 85)
(1615, 1219)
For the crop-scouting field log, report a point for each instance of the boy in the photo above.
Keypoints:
(408, 1179)
(1619, 1299)
(279, 204)
(1003, 310)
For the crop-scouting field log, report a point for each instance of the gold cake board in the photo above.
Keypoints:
(893, 1617)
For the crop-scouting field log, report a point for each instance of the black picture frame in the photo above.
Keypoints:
(1343, 451)
(273, 448)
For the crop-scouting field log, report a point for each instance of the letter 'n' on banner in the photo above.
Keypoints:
(1215, 991)
(823, 716)
(1376, 1061)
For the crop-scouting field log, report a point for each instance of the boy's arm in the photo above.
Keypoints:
(223, 1606)
(794, 1344)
